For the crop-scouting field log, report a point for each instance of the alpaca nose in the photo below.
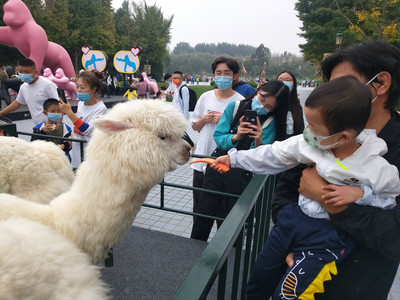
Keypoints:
(187, 138)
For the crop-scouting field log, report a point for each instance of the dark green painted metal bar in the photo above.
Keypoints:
(199, 281)
(237, 266)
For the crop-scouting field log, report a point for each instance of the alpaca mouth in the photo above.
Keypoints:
(187, 138)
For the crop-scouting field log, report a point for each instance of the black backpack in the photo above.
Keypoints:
(192, 97)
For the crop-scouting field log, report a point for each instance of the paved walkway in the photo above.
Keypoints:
(179, 224)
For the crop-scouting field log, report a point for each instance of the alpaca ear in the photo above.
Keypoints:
(111, 126)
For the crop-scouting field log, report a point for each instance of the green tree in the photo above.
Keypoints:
(360, 20)
(376, 19)
(90, 23)
(152, 33)
(57, 31)
(321, 21)
(123, 26)
(184, 48)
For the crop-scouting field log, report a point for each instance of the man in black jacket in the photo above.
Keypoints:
(368, 272)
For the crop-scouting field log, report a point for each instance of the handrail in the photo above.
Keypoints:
(214, 258)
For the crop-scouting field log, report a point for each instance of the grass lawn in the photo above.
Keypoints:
(200, 89)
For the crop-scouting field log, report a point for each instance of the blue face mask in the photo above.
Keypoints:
(26, 77)
(258, 107)
(54, 117)
(223, 82)
(84, 97)
(288, 84)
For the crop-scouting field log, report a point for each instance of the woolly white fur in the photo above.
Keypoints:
(38, 263)
(132, 148)
(37, 171)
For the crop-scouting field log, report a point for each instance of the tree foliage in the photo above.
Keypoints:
(192, 60)
(152, 32)
(215, 49)
(359, 20)
(376, 19)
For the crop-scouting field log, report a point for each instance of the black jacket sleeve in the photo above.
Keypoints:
(376, 228)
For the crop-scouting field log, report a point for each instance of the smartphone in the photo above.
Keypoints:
(61, 94)
(250, 116)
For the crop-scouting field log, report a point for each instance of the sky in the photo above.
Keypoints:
(251, 22)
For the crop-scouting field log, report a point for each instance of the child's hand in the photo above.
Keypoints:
(49, 127)
(225, 159)
(342, 195)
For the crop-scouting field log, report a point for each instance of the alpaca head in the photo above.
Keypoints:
(141, 137)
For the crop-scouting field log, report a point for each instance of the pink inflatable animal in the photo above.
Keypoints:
(23, 33)
(63, 82)
(48, 74)
(153, 85)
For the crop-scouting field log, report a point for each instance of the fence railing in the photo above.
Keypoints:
(242, 234)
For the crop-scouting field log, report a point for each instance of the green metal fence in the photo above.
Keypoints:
(242, 233)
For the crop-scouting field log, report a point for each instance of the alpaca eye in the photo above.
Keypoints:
(163, 138)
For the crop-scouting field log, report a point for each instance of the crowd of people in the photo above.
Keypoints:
(336, 212)
(334, 207)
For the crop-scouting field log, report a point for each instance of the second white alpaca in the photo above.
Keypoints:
(37, 171)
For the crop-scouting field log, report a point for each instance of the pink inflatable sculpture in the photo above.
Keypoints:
(153, 85)
(62, 82)
(23, 33)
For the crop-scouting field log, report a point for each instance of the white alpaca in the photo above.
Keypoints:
(37, 171)
(38, 263)
(138, 142)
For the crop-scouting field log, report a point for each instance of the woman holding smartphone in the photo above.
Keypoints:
(271, 104)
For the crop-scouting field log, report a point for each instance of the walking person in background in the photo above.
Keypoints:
(181, 103)
(169, 92)
(33, 92)
(207, 113)
(294, 119)
(88, 86)
(142, 87)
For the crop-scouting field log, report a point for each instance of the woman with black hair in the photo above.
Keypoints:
(294, 119)
(271, 103)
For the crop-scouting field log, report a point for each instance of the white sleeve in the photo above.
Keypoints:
(98, 113)
(372, 199)
(52, 90)
(260, 160)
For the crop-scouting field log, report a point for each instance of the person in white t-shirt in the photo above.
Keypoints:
(88, 85)
(33, 92)
(208, 111)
